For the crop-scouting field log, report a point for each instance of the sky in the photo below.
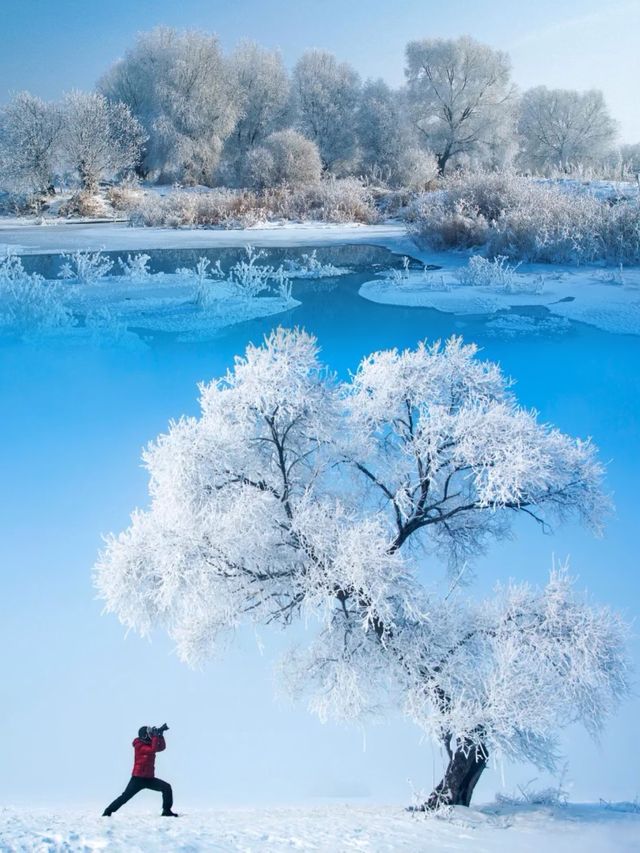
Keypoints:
(51, 46)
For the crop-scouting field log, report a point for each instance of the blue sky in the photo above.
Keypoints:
(50, 46)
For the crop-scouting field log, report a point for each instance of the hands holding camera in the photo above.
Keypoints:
(158, 731)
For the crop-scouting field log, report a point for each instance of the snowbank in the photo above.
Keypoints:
(606, 298)
(166, 303)
(32, 239)
(589, 829)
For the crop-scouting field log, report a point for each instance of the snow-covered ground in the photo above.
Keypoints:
(332, 829)
(604, 297)
(30, 239)
(166, 303)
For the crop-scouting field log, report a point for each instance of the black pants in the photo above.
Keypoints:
(139, 783)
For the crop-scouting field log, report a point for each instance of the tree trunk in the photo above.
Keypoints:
(88, 180)
(461, 776)
(442, 160)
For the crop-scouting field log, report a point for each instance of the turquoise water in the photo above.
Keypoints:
(74, 419)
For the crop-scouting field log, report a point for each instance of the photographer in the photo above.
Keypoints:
(149, 741)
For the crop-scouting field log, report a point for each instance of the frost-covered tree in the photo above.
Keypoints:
(381, 129)
(293, 494)
(180, 87)
(99, 139)
(628, 160)
(460, 96)
(287, 157)
(562, 127)
(262, 96)
(324, 100)
(388, 145)
(29, 144)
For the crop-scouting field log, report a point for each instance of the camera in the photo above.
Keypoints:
(156, 731)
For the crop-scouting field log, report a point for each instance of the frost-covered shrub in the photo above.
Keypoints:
(331, 200)
(250, 278)
(524, 219)
(84, 204)
(443, 226)
(310, 267)
(399, 276)
(85, 267)
(28, 303)
(416, 169)
(122, 197)
(481, 272)
(246, 279)
(184, 208)
(336, 200)
(286, 157)
(205, 278)
(135, 268)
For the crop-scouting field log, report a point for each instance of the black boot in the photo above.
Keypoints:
(106, 813)
(169, 813)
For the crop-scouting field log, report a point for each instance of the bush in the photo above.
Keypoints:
(28, 303)
(332, 200)
(524, 219)
(84, 204)
(85, 267)
(498, 275)
(287, 157)
(122, 197)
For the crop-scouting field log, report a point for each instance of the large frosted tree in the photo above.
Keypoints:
(100, 139)
(293, 493)
(181, 88)
(562, 127)
(324, 101)
(460, 97)
(30, 131)
(262, 95)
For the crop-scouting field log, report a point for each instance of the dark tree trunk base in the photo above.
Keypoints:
(459, 780)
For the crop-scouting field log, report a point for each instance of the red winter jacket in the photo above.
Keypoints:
(145, 756)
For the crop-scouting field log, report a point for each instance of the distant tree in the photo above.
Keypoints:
(293, 494)
(324, 100)
(287, 157)
(180, 88)
(629, 159)
(561, 127)
(30, 132)
(460, 95)
(99, 139)
(261, 94)
(381, 129)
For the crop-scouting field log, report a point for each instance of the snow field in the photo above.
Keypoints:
(330, 829)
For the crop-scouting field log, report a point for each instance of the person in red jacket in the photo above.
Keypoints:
(149, 741)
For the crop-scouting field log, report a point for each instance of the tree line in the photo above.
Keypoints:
(175, 108)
